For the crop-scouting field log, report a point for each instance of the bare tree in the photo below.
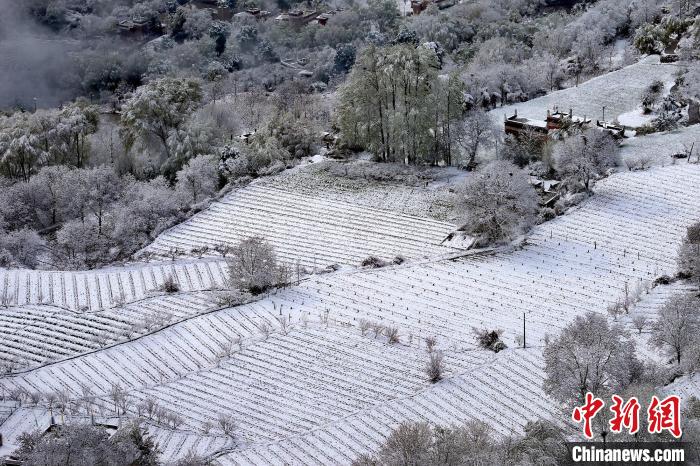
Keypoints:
(377, 328)
(223, 249)
(170, 285)
(475, 131)
(689, 253)
(639, 322)
(430, 343)
(392, 334)
(227, 424)
(364, 326)
(253, 266)
(589, 356)
(677, 325)
(497, 203)
(586, 156)
(284, 324)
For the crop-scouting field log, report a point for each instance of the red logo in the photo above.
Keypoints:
(626, 415)
(661, 415)
(665, 415)
(587, 412)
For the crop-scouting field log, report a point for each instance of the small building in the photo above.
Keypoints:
(137, 25)
(617, 132)
(323, 18)
(253, 13)
(297, 18)
(518, 126)
(558, 120)
(246, 137)
(418, 6)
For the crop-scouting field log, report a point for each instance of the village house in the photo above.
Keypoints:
(518, 126)
(135, 26)
(560, 120)
(297, 18)
(417, 6)
(252, 13)
(616, 131)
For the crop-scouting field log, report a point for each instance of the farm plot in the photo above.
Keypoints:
(309, 231)
(428, 195)
(97, 290)
(176, 444)
(628, 232)
(283, 385)
(38, 334)
(619, 91)
(22, 420)
(658, 149)
(296, 382)
(505, 393)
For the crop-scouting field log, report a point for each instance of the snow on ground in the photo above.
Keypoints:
(356, 388)
(38, 334)
(659, 147)
(409, 195)
(22, 420)
(620, 91)
(101, 289)
(635, 118)
(309, 231)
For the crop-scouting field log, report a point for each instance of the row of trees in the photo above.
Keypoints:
(472, 443)
(395, 105)
(46, 137)
(97, 215)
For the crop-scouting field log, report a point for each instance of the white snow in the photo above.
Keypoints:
(629, 231)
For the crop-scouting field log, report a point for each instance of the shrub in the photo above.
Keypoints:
(546, 214)
(490, 340)
(435, 366)
(392, 333)
(170, 285)
(373, 262)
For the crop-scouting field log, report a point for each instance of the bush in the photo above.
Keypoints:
(86, 444)
(490, 340)
(435, 366)
(373, 262)
(546, 214)
(170, 285)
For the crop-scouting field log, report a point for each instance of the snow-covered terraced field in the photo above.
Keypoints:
(21, 421)
(97, 290)
(293, 383)
(659, 147)
(305, 230)
(505, 393)
(409, 197)
(619, 91)
(628, 232)
(355, 388)
(37, 334)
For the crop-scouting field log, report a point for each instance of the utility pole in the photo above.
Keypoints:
(524, 343)
(603, 113)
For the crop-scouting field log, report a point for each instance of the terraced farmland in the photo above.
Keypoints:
(620, 92)
(37, 334)
(309, 231)
(317, 395)
(97, 290)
